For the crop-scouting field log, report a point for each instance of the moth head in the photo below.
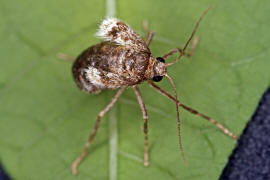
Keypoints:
(159, 69)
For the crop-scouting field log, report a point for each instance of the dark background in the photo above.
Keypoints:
(251, 156)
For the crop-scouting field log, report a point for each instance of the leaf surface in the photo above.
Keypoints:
(45, 119)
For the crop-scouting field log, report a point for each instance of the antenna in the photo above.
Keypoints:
(182, 52)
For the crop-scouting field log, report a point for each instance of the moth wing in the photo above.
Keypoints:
(114, 30)
(103, 79)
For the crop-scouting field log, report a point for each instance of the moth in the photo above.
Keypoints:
(124, 60)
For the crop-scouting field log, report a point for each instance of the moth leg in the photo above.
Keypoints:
(146, 29)
(147, 34)
(92, 135)
(171, 52)
(150, 38)
(193, 111)
(145, 125)
(193, 47)
(65, 57)
(188, 54)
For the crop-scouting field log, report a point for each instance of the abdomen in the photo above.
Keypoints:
(107, 65)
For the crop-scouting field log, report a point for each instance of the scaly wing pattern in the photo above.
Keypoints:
(114, 30)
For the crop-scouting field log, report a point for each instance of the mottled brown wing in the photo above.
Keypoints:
(107, 65)
(114, 30)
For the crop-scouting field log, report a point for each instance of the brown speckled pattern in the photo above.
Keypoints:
(127, 65)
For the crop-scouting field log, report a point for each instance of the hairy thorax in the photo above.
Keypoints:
(108, 65)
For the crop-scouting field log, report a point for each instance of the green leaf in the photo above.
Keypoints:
(45, 120)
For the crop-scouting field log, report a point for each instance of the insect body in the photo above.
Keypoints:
(124, 60)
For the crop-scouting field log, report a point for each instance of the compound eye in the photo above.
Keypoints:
(160, 59)
(157, 78)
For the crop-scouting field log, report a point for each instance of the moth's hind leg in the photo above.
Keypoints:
(92, 135)
(147, 34)
(145, 125)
